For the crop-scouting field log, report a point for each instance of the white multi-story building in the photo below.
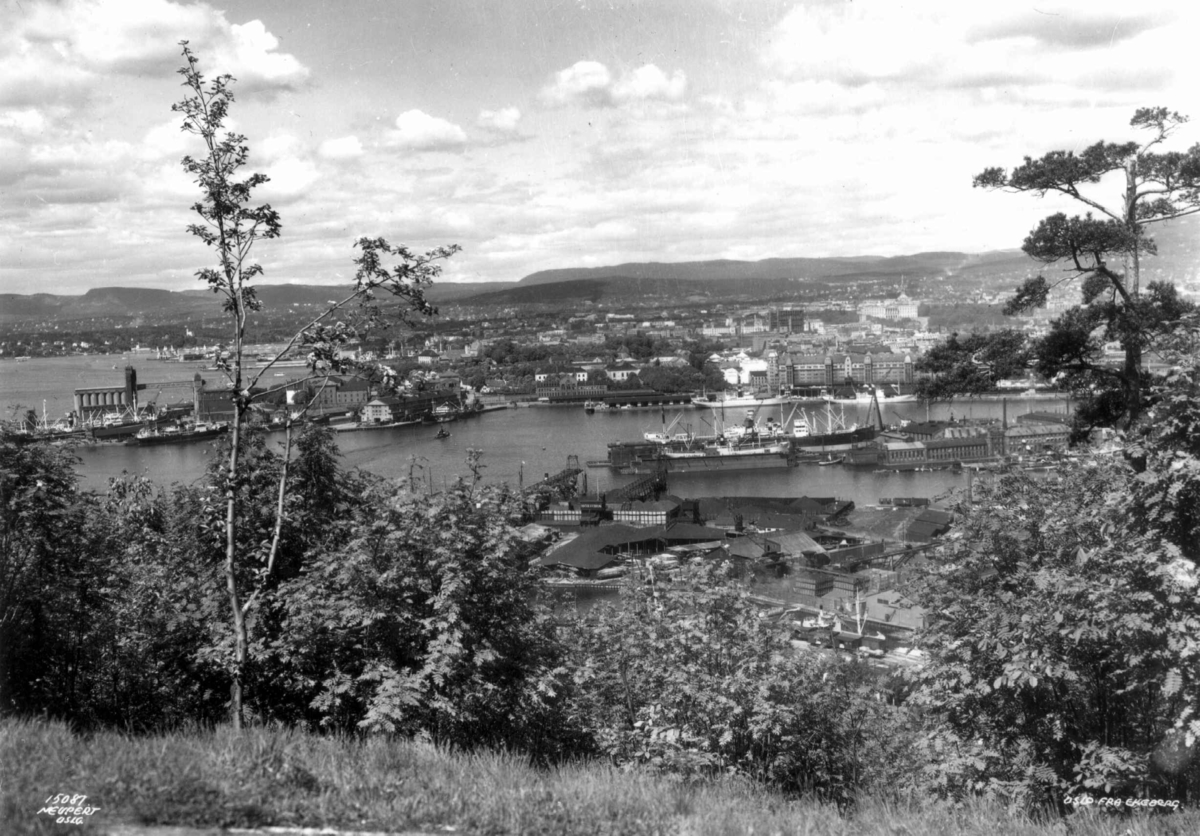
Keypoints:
(899, 308)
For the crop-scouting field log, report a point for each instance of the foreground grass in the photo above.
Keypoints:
(289, 778)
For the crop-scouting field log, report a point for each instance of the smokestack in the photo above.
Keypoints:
(130, 388)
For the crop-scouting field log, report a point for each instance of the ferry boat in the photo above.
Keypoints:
(866, 395)
(741, 402)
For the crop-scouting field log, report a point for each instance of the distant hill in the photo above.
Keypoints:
(770, 268)
(132, 301)
(618, 289)
(1002, 270)
(319, 294)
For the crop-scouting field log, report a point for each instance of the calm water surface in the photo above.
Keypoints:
(516, 443)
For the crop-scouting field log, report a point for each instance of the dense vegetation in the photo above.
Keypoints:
(1062, 630)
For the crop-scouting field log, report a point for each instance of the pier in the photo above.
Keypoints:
(560, 484)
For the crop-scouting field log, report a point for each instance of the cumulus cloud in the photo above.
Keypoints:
(278, 146)
(342, 148)
(25, 121)
(590, 84)
(248, 52)
(418, 131)
(584, 82)
(67, 52)
(167, 141)
(648, 82)
(290, 176)
(503, 121)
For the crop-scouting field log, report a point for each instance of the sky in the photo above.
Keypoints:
(543, 134)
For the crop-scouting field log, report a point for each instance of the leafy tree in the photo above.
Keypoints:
(160, 607)
(972, 365)
(1165, 450)
(672, 379)
(45, 566)
(1062, 629)
(232, 226)
(686, 676)
(1103, 249)
(640, 346)
(698, 351)
(422, 622)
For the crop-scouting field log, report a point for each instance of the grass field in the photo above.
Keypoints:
(283, 777)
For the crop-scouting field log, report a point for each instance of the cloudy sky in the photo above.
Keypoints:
(556, 133)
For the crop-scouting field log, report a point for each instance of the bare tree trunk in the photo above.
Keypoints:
(1133, 277)
(235, 604)
(1133, 339)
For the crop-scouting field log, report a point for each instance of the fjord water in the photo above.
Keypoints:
(516, 444)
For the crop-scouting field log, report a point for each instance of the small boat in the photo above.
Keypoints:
(829, 461)
(442, 433)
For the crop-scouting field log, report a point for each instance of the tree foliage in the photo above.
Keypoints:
(1165, 450)
(422, 622)
(972, 364)
(1064, 624)
(686, 676)
(1103, 250)
(43, 573)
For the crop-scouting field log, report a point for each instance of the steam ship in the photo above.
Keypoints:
(751, 446)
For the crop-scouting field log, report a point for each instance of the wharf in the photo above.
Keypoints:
(573, 585)
(564, 480)
(349, 428)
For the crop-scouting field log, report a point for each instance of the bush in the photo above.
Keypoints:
(686, 676)
(423, 623)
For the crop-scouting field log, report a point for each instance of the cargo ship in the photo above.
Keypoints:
(748, 447)
(177, 435)
(120, 426)
(809, 434)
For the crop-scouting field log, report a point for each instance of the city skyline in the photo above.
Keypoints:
(546, 135)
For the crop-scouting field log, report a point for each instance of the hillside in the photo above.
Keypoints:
(770, 268)
(292, 778)
(765, 280)
(923, 274)
(1178, 260)
(134, 301)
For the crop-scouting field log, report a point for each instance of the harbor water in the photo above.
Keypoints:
(517, 444)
